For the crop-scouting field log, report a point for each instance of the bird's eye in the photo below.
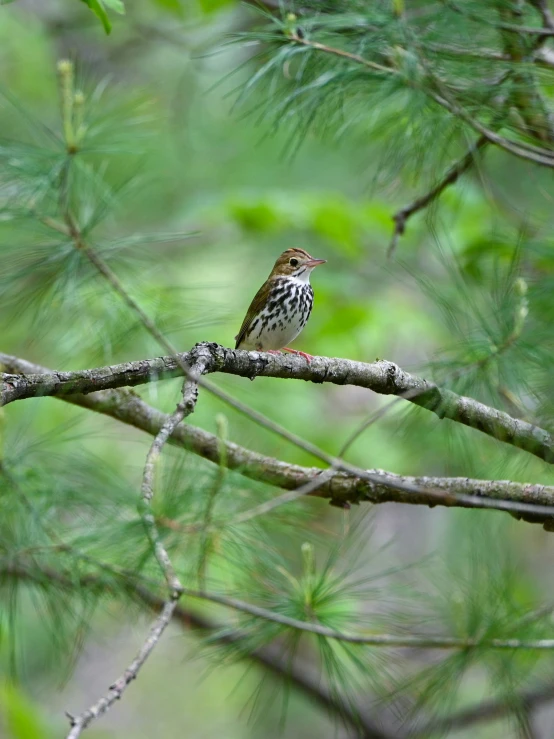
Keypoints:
(293, 262)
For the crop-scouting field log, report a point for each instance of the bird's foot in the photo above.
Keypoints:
(307, 357)
(273, 351)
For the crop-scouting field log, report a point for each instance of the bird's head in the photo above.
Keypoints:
(295, 263)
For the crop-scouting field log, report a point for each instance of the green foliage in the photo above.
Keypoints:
(173, 6)
(21, 717)
(371, 70)
(188, 204)
(479, 591)
(100, 9)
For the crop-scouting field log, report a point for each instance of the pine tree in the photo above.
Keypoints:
(225, 528)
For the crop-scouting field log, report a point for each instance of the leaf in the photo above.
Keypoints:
(99, 9)
(256, 216)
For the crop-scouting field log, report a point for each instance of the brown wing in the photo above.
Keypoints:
(256, 306)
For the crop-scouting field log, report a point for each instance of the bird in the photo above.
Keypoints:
(281, 307)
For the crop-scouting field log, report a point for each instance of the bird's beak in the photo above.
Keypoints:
(315, 262)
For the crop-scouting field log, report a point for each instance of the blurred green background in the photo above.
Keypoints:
(206, 193)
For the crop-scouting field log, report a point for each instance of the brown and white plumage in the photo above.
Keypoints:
(282, 306)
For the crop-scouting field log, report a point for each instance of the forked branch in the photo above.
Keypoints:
(533, 502)
(184, 408)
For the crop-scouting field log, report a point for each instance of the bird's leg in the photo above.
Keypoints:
(273, 351)
(307, 357)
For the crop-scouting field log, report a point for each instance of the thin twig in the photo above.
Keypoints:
(490, 710)
(520, 149)
(379, 413)
(538, 155)
(183, 409)
(206, 524)
(78, 723)
(296, 673)
(450, 177)
(376, 640)
(342, 53)
(420, 641)
(308, 489)
(455, 171)
(271, 658)
(541, 58)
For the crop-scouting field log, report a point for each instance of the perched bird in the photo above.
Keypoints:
(281, 306)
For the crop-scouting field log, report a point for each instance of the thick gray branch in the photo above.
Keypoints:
(340, 488)
(382, 377)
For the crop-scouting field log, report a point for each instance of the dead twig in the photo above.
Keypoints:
(456, 170)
